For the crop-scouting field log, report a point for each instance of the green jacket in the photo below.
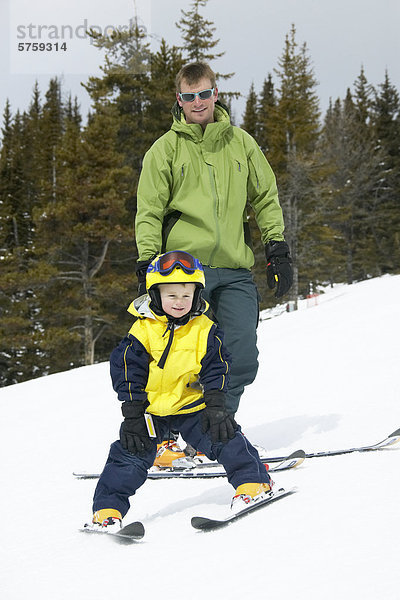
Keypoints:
(193, 191)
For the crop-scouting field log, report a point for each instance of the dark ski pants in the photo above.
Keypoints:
(124, 473)
(233, 298)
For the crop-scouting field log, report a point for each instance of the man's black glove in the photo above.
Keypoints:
(279, 267)
(133, 433)
(215, 417)
(141, 270)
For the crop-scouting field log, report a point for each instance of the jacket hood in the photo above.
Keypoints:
(194, 130)
(140, 308)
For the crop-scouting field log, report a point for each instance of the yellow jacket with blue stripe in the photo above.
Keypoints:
(169, 365)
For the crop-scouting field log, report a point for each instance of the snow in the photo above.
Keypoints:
(328, 379)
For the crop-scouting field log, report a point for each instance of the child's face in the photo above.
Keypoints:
(177, 298)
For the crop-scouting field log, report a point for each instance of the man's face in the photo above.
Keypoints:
(199, 111)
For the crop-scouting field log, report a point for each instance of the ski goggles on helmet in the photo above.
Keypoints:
(167, 262)
(190, 96)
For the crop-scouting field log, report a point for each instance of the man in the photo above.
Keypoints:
(192, 195)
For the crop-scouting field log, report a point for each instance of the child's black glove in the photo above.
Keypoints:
(216, 419)
(279, 267)
(133, 433)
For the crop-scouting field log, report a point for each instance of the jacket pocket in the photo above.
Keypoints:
(247, 235)
(169, 221)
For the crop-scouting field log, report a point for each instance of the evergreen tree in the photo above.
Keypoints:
(199, 44)
(20, 357)
(294, 133)
(297, 107)
(34, 142)
(354, 181)
(76, 235)
(125, 83)
(386, 122)
(363, 98)
(52, 119)
(16, 222)
(198, 35)
(7, 182)
(265, 116)
(165, 64)
(251, 125)
(7, 243)
(141, 86)
(250, 117)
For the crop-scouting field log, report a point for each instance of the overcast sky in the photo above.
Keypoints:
(341, 36)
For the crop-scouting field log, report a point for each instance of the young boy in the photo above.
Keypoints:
(171, 373)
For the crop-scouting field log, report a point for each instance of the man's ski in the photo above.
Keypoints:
(207, 523)
(131, 533)
(286, 462)
(390, 440)
(209, 469)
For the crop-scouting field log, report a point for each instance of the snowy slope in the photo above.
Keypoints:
(328, 378)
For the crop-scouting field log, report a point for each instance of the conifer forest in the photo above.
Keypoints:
(68, 189)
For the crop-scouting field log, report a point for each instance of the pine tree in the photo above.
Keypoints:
(297, 106)
(354, 180)
(386, 122)
(363, 98)
(140, 84)
(199, 44)
(76, 235)
(386, 118)
(165, 64)
(20, 356)
(34, 142)
(7, 183)
(294, 133)
(124, 83)
(250, 117)
(198, 35)
(51, 130)
(265, 116)
(8, 242)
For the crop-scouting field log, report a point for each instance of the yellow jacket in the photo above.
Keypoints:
(169, 365)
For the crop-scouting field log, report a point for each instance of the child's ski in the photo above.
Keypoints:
(209, 469)
(207, 523)
(131, 533)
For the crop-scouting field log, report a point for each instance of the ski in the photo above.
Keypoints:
(390, 440)
(208, 470)
(131, 533)
(200, 469)
(208, 524)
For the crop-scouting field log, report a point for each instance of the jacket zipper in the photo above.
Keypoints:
(216, 213)
(170, 328)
